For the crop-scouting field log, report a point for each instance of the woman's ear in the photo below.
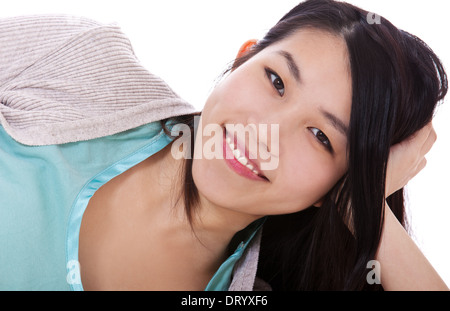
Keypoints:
(245, 48)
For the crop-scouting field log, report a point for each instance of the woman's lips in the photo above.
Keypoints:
(236, 155)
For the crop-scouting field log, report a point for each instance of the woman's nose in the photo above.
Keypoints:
(267, 136)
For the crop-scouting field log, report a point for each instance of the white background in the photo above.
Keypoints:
(190, 43)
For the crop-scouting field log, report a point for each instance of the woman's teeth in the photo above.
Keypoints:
(241, 158)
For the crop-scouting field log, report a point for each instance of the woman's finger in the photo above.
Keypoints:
(431, 139)
(420, 167)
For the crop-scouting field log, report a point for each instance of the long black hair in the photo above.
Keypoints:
(397, 81)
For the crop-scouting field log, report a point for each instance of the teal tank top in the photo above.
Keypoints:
(44, 191)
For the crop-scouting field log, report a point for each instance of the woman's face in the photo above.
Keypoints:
(300, 89)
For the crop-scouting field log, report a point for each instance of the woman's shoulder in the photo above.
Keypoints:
(67, 79)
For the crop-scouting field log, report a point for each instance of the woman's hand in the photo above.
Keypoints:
(407, 158)
(403, 266)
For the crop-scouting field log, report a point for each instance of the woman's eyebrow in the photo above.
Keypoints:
(293, 68)
(335, 122)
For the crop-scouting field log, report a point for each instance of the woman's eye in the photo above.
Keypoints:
(276, 81)
(321, 137)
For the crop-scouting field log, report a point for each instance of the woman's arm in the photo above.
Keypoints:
(402, 264)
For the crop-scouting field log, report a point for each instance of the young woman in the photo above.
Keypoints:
(95, 194)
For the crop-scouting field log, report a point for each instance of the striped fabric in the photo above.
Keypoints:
(66, 79)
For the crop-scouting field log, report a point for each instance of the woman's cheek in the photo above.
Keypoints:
(308, 176)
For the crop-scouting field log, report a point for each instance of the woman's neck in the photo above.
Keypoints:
(212, 226)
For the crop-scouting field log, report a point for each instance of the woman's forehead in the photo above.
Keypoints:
(314, 44)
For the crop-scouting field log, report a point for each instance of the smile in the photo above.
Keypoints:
(240, 157)
(240, 163)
